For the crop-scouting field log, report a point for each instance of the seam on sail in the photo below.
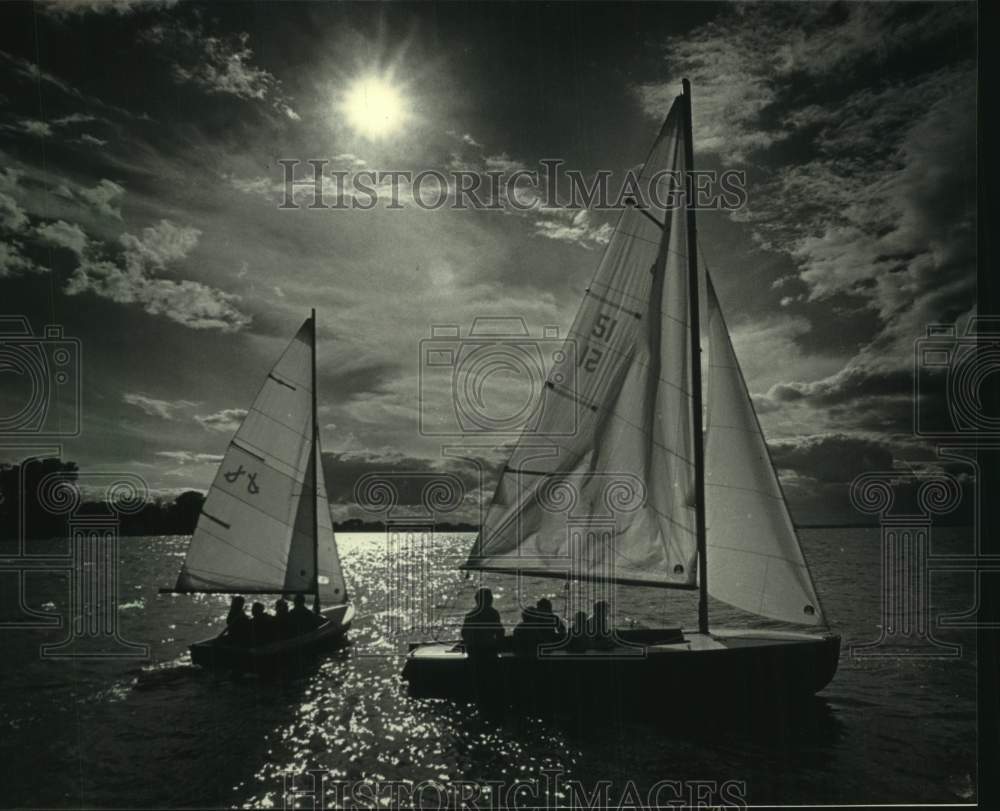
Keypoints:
(225, 583)
(217, 520)
(267, 416)
(278, 566)
(239, 446)
(790, 561)
(281, 382)
(745, 489)
(633, 313)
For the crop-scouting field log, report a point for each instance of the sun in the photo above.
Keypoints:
(374, 107)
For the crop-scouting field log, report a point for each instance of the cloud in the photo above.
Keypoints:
(408, 476)
(87, 138)
(225, 421)
(13, 262)
(74, 118)
(190, 457)
(33, 127)
(574, 226)
(218, 65)
(192, 304)
(831, 457)
(165, 409)
(746, 63)
(12, 216)
(875, 208)
(69, 8)
(32, 73)
(103, 197)
(62, 234)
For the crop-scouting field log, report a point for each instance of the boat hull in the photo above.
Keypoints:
(736, 668)
(287, 654)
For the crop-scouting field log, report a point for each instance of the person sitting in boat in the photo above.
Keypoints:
(264, 626)
(302, 619)
(482, 631)
(539, 628)
(237, 621)
(544, 606)
(578, 632)
(282, 619)
(599, 634)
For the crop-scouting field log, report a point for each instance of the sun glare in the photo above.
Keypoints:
(374, 107)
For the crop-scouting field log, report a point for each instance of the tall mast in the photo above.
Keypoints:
(315, 472)
(694, 319)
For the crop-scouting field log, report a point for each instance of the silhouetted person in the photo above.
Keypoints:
(282, 619)
(538, 628)
(544, 606)
(482, 631)
(578, 632)
(302, 619)
(264, 628)
(599, 627)
(237, 622)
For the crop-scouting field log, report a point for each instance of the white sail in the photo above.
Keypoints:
(256, 531)
(332, 586)
(754, 559)
(609, 462)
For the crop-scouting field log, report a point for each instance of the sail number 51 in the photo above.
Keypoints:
(603, 329)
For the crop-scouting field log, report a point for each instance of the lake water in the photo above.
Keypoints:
(162, 733)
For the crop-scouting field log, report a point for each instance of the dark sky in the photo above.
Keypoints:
(138, 205)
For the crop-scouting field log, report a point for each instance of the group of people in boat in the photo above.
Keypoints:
(483, 632)
(261, 627)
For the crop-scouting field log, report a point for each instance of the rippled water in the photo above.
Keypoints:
(162, 733)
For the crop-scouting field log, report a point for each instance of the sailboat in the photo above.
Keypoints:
(635, 477)
(265, 526)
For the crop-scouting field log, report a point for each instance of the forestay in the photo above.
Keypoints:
(601, 486)
(754, 558)
(255, 532)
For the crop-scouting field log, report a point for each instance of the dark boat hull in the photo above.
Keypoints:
(733, 667)
(219, 653)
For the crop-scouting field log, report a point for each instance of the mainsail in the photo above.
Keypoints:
(602, 485)
(754, 559)
(257, 529)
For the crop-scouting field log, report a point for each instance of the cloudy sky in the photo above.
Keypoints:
(140, 188)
